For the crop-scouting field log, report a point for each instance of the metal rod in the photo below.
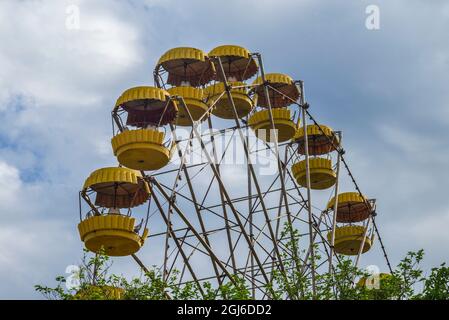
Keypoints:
(190, 226)
(362, 245)
(253, 174)
(223, 206)
(147, 272)
(309, 197)
(175, 239)
(278, 160)
(197, 209)
(250, 213)
(228, 199)
(169, 212)
(334, 217)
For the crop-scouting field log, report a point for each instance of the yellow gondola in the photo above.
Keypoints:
(142, 149)
(283, 85)
(104, 292)
(114, 233)
(352, 207)
(193, 98)
(117, 187)
(186, 65)
(370, 281)
(320, 141)
(283, 123)
(147, 106)
(217, 96)
(348, 240)
(322, 176)
(238, 64)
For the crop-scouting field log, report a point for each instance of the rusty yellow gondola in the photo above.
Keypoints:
(370, 282)
(284, 125)
(186, 66)
(282, 91)
(349, 239)
(147, 105)
(193, 98)
(142, 149)
(352, 207)
(148, 109)
(321, 140)
(237, 62)
(94, 292)
(322, 176)
(115, 188)
(222, 107)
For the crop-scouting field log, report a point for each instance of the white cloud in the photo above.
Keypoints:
(57, 66)
(57, 87)
(9, 182)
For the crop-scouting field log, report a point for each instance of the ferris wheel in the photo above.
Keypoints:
(217, 170)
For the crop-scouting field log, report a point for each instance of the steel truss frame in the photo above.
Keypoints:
(217, 235)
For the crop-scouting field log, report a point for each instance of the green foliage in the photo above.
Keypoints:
(340, 284)
(293, 281)
(436, 286)
(97, 284)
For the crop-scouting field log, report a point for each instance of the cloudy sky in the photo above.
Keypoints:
(385, 89)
